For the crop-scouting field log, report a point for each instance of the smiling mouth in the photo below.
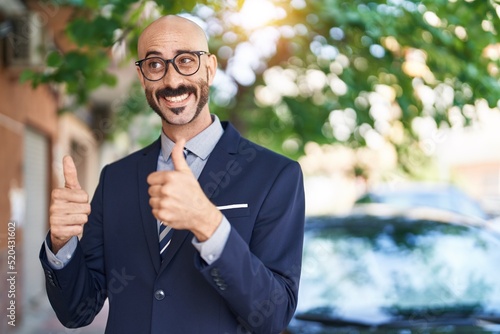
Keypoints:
(176, 99)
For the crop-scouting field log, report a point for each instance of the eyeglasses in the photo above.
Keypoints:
(185, 63)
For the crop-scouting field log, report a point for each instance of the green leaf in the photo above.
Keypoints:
(109, 79)
(54, 59)
(27, 75)
(97, 32)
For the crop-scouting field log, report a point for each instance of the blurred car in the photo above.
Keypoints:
(408, 271)
(439, 196)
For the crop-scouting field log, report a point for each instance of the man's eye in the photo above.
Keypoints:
(185, 60)
(155, 65)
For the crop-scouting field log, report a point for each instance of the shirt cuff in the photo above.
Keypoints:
(211, 249)
(63, 256)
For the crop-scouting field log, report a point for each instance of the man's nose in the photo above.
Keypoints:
(171, 75)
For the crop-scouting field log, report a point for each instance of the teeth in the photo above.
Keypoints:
(177, 98)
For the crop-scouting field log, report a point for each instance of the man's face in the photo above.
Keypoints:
(178, 105)
(176, 98)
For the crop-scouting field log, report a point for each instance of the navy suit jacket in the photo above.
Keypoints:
(252, 287)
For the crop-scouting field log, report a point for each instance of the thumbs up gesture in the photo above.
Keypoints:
(178, 200)
(69, 208)
(70, 174)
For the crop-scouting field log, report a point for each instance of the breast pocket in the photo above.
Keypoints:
(234, 210)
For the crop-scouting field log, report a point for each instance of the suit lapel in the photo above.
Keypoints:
(213, 179)
(214, 176)
(146, 166)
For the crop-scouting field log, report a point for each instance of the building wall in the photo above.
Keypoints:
(76, 139)
(21, 108)
(33, 140)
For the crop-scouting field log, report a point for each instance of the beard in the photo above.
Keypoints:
(153, 97)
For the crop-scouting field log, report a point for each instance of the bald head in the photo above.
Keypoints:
(171, 34)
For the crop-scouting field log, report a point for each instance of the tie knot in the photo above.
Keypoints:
(186, 152)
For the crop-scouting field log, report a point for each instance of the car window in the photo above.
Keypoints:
(377, 269)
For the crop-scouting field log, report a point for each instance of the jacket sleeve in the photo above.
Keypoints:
(259, 280)
(77, 291)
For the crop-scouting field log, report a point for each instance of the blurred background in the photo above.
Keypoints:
(393, 101)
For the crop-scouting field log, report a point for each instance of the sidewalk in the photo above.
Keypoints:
(41, 319)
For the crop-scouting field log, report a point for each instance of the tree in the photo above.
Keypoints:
(332, 71)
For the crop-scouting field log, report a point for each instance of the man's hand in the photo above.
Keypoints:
(178, 200)
(69, 209)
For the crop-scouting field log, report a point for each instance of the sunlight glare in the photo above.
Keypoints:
(258, 13)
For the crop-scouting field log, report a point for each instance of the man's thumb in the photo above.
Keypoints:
(180, 163)
(70, 174)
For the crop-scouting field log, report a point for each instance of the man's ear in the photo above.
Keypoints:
(211, 67)
(141, 77)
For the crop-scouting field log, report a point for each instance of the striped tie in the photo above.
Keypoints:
(165, 238)
(165, 232)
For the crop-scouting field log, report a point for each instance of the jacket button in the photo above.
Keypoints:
(214, 272)
(159, 294)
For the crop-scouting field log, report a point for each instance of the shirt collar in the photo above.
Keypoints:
(201, 145)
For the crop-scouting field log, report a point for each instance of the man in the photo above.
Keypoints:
(229, 214)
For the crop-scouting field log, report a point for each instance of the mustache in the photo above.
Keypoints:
(168, 92)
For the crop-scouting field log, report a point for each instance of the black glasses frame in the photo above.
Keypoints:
(172, 61)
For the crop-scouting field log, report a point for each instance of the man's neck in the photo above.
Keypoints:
(187, 131)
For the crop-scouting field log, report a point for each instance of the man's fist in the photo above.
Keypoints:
(178, 200)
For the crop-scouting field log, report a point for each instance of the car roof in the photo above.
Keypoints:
(433, 195)
(380, 212)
